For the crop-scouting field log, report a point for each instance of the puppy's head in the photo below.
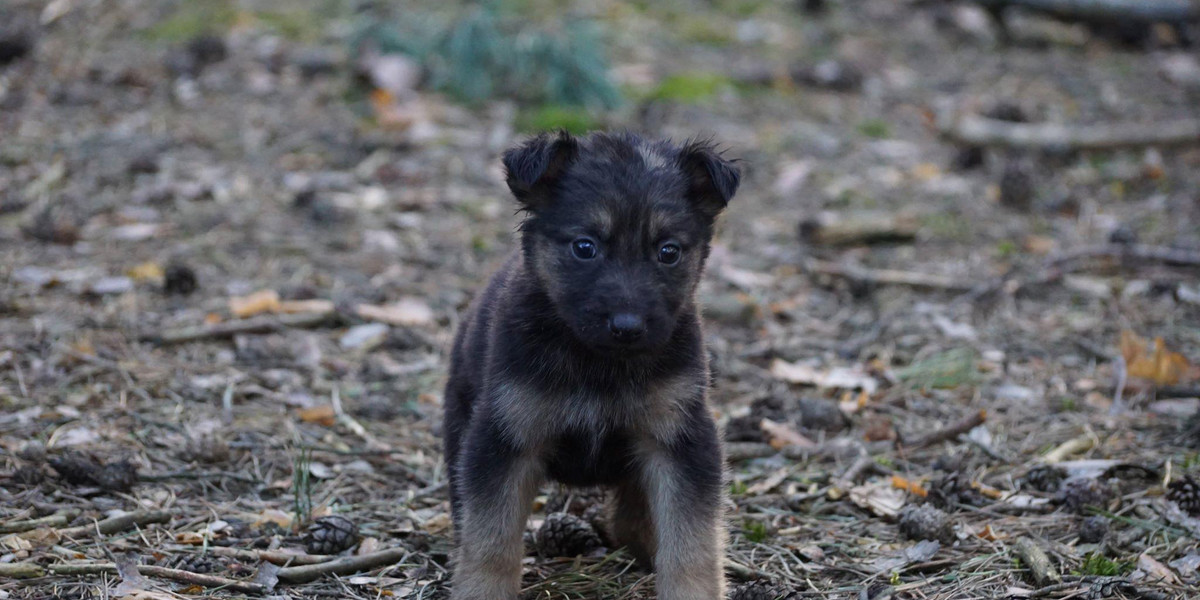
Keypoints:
(617, 230)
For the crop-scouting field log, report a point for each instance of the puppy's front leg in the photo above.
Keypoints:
(684, 484)
(497, 483)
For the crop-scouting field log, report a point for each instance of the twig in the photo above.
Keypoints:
(116, 524)
(739, 451)
(28, 570)
(58, 520)
(228, 329)
(974, 130)
(967, 424)
(1183, 257)
(21, 570)
(887, 276)
(342, 566)
(351, 424)
(272, 556)
(1037, 561)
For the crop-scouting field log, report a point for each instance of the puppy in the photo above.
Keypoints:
(583, 362)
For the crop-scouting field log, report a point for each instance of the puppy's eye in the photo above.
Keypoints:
(583, 249)
(669, 254)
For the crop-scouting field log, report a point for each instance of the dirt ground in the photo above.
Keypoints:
(966, 355)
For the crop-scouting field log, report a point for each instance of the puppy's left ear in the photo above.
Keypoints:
(532, 169)
(712, 180)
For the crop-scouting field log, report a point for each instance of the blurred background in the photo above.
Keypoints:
(236, 236)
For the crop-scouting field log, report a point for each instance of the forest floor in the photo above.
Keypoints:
(895, 321)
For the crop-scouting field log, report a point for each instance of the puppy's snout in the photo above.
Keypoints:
(627, 327)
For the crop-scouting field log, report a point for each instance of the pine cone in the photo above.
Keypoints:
(564, 534)
(1018, 184)
(575, 501)
(953, 489)
(1185, 492)
(117, 477)
(29, 475)
(78, 469)
(1093, 529)
(925, 522)
(330, 535)
(759, 589)
(1081, 492)
(196, 563)
(179, 279)
(744, 429)
(1045, 478)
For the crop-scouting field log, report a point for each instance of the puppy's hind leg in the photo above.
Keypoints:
(496, 485)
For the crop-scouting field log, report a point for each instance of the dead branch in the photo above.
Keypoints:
(967, 424)
(886, 276)
(1037, 561)
(1169, 11)
(272, 556)
(58, 520)
(21, 570)
(973, 130)
(228, 329)
(342, 566)
(841, 447)
(116, 524)
(1183, 257)
(27, 570)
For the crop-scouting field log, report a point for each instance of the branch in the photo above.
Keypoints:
(974, 130)
(115, 524)
(967, 424)
(228, 329)
(342, 566)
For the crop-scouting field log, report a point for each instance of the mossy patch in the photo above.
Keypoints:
(551, 117)
(690, 88)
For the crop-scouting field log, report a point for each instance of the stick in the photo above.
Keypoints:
(739, 451)
(21, 570)
(272, 556)
(228, 329)
(887, 276)
(1107, 10)
(1172, 256)
(59, 520)
(351, 424)
(1037, 561)
(342, 566)
(97, 568)
(116, 524)
(967, 424)
(973, 130)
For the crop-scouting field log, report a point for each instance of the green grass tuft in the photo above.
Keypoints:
(875, 128)
(945, 370)
(691, 88)
(756, 531)
(1098, 564)
(194, 18)
(551, 117)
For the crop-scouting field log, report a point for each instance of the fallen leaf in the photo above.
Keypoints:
(259, 302)
(405, 312)
(781, 435)
(1156, 571)
(879, 497)
(837, 377)
(909, 486)
(305, 306)
(1161, 365)
(276, 516)
(321, 415)
(147, 271)
(191, 538)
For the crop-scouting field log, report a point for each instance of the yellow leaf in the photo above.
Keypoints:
(305, 306)
(321, 415)
(782, 436)
(1160, 365)
(259, 302)
(190, 538)
(909, 486)
(147, 271)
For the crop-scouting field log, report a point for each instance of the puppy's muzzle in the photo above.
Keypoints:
(627, 328)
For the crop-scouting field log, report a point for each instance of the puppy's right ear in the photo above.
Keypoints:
(532, 168)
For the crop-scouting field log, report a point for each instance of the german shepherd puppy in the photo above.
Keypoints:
(583, 362)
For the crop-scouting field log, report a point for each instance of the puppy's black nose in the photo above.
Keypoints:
(626, 327)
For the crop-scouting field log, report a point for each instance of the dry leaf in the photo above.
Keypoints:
(1161, 366)
(276, 516)
(768, 484)
(212, 319)
(305, 306)
(1156, 571)
(405, 312)
(879, 497)
(837, 377)
(259, 302)
(909, 486)
(189, 537)
(321, 415)
(147, 271)
(782, 436)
